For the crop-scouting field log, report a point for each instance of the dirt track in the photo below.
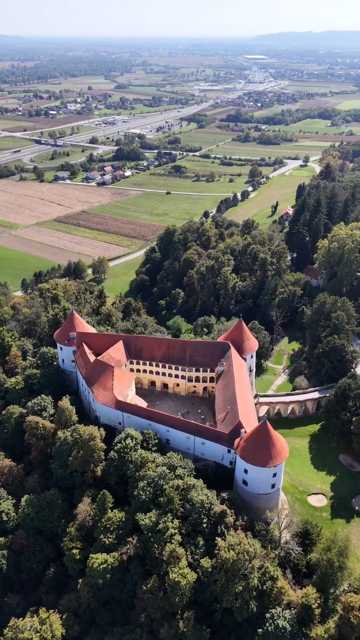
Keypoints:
(26, 203)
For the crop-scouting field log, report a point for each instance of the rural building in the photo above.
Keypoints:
(197, 395)
(286, 215)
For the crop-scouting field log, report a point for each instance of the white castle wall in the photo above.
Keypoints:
(185, 443)
(262, 480)
(250, 360)
(66, 356)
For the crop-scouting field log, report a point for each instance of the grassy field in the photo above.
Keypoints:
(159, 208)
(204, 137)
(8, 124)
(15, 265)
(349, 104)
(313, 466)
(120, 276)
(266, 379)
(75, 153)
(318, 86)
(203, 166)
(281, 188)
(315, 125)
(281, 354)
(286, 150)
(130, 243)
(9, 142)
(155, 180)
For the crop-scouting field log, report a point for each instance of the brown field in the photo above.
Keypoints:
(124, 227)
(13, 241)
(26, 203)
(74, 244)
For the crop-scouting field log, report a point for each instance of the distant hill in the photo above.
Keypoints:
(330, 40)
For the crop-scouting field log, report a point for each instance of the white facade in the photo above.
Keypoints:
(259, 487)
(186, 443)
(250, 360)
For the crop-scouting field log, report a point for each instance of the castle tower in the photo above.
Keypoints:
(245, 343)
(65, 338)
(259, 468)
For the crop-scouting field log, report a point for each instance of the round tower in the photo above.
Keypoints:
(259, 468)
(245, 343)
(65, 338)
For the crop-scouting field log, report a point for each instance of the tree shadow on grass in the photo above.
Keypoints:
(324, 453)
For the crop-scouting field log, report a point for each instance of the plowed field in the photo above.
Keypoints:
(122, 226)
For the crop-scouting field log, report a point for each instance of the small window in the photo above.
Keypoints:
(274, 474)
(170, 367)
(151, 364)
(205, 379)
(138, 370)
(231, 464)
(170, 375)
(157, 373)
(176, 375)
(144, 371)
(246, 471)
(190, 379)
(273, 485)
(62, 360)
(163, 366)
(197, 378)
(229, 450)
(245, 483)
(212, 379)
(137, 362)
(183, 377)
(132, 369)
(176, 368)
(151, 373)
(60, 348)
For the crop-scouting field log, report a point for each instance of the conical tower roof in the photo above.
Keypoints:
(241, 338)
(263, 446)
(73, 324)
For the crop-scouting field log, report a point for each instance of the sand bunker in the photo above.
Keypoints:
(349, 462)
(317, 499)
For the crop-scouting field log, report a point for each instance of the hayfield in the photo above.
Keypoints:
(51, 238)
(286, 150)
(26, 203)
(15, 265)
(112, 225)
(131, 244)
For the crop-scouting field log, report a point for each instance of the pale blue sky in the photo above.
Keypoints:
(169, 18)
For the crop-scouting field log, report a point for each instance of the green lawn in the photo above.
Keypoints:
(15, 265)
(313, 125)
(11, 142)
(159, 208)
(282, 351)
(281, 188)
(284, 387)
(75, 153)
(120, 276)
(313, 466)
(349, 104)
(286, 150)
(266, 379)
(196, 164)
(112, 238)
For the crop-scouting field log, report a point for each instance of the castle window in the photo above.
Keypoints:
(62, 360)
(138, 362)
(151, 364)
(183, 368)
(151, 373)
(170, 367)
(229, 450)
(197, 370)
(176, 368)
(231, 464)
(170, 375)
(190, 379)
(246, 471)
(205, 379)
(245, 483)
(273, 485)
(211, 379)
(163, 366)
(132, 369)
(138, 370)
(183, 377)
(157, 373)
(197, 378)
(176, 375)
(144, 370)
(274, 474)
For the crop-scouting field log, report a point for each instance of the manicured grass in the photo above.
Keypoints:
(313, 466)
(11, 142)
(286, 150)
(112, 238)
(159, 207)
(282, 351)
(266, 379)
(285, 387)
(15, 265)
(281, 188)
(155, 180)
(120, 276)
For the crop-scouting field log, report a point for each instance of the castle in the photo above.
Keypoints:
(197, 395)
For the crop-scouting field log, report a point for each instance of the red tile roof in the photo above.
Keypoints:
(66, 334)
(263, 447)
(241, 338)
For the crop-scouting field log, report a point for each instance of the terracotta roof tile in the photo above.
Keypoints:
(262, 447)
(241, 338)
(66, 334)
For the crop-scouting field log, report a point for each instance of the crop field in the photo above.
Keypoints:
(15, 265)
(26, 203)
(202, 166)
(158, 207)
(321, 126)
(287, 150)
(109, 224)
(82, 82)
(9, 142)
(120, 276)
(281, 188)
(204, 137)
(12, 124)
(131, 244)
(51, 239)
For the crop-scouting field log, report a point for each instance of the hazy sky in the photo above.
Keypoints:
(169, 18)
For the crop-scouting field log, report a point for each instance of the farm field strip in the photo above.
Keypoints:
(67, 242)
(160, 182)
(39, 249)
(131, 244)
(110, 224)
(254, 150)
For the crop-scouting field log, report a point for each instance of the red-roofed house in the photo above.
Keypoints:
(195, 394)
